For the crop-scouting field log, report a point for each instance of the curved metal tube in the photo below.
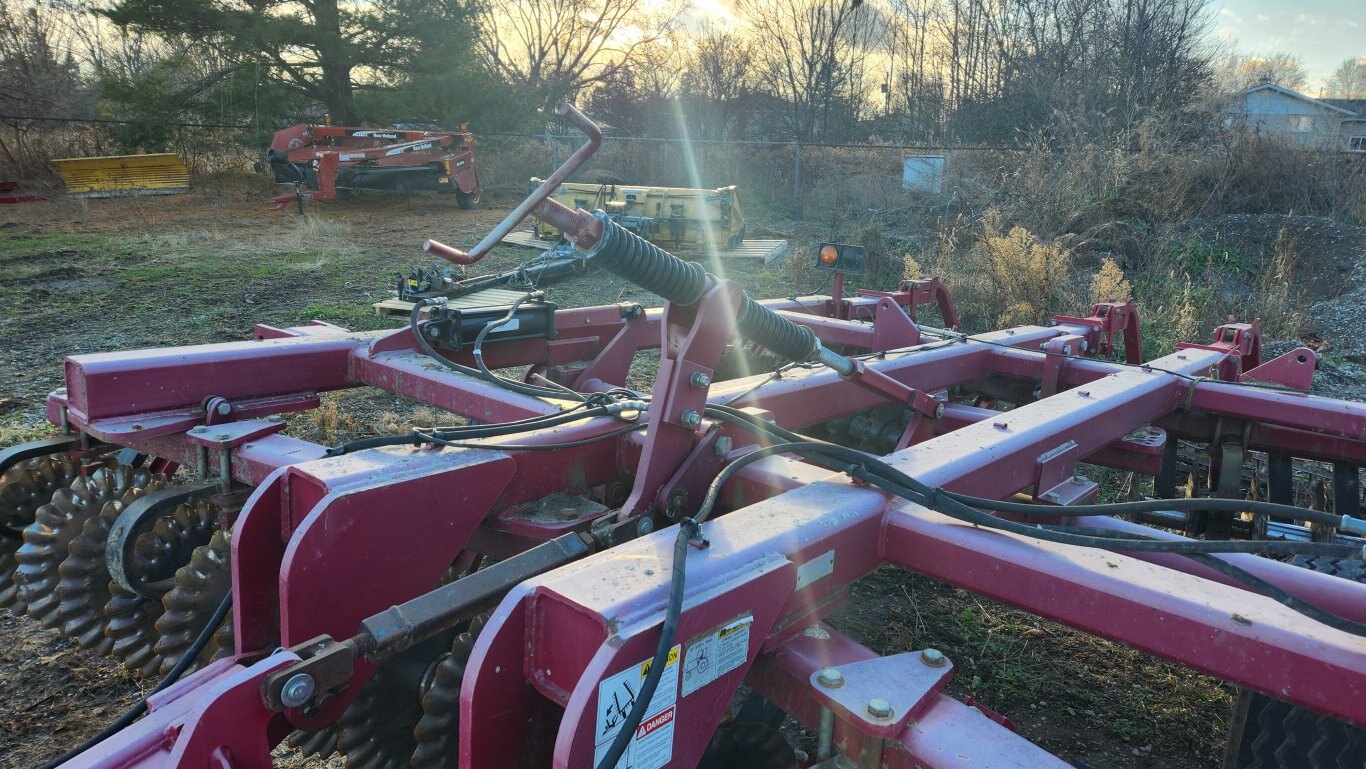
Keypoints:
(542, 193)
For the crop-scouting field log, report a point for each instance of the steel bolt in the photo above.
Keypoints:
(830, 678)
(1084, 393)
(298, 689)
(275, 418)
(224, 409)
(644, 526)
(698, 379)
(691, 418)
(200, 429)
(1079, 478)
(1067, 349)
(1000, 425)
(224, 436)
(724, 445)
(879, 708)
(1052, 496)
(934, 658)
(1081, 346)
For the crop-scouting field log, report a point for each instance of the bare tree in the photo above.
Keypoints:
(556, 48)
(716, 81)
(813, 57)
(39, 76)
(1280, 68)
(106, 47)
(1348, 81)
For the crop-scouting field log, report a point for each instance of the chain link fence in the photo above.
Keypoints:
(785, 175)
(28, 144)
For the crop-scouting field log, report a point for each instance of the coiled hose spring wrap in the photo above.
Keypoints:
(641, 262)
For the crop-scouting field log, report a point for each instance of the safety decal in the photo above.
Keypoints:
(653, 743)
(716, 654)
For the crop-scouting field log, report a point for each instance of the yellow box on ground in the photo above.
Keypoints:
(161, 173)
(673, 218)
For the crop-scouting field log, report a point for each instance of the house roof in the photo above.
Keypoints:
(1301, 97)
(1351, 105)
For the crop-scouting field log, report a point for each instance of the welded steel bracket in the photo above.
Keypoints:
(1293, 369)
(880, 696)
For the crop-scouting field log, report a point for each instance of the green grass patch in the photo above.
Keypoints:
(357, 316)
(1199, 258)
(13, 244)
(19, 427)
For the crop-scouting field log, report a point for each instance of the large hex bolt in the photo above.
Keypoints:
(830, 678)
(879, 708)
(934, 658)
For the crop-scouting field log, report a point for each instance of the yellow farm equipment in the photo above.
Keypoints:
(674, 218)
(102, 177)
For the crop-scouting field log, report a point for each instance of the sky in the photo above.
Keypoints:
(1323, 33)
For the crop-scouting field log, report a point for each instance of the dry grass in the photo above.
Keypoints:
(1109, 284)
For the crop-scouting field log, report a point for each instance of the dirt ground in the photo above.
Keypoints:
(123, 274)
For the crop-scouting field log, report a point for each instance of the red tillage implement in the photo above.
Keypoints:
(322, 161)
(584, 575)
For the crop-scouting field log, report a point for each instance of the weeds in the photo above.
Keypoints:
(1109, 285)
(1279, 301)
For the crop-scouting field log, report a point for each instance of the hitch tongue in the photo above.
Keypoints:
(536, 199)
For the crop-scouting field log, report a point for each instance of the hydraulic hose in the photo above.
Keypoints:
(631, 257)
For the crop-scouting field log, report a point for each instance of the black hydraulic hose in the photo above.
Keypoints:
(1213, 504)
(138, 709)
(873, 470)
(629, 256)
(687, 530)
(641, 262)
(1249, 580)
(714, 489)
(889, 479)
(517, 387)
(418, 437)
(535, 446)
(893, 481)
(478, 350)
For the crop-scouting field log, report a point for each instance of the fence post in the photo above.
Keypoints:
(797, 178)
(554, 151)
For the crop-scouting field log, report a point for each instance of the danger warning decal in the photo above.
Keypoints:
(653, 744)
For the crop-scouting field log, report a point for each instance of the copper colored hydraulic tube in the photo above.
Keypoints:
(539, 202)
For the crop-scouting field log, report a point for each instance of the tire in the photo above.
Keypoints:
(1269, 734)
(466, 200)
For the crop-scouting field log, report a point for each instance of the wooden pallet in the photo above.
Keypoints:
(528, 239)
(767, 250)
(489, 297)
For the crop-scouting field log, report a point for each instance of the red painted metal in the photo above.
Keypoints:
(946, 733)
(325, 541)
(1107, 320)
(1293, 369)
(446, 157)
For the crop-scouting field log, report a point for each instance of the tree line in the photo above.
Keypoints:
(962, 71)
